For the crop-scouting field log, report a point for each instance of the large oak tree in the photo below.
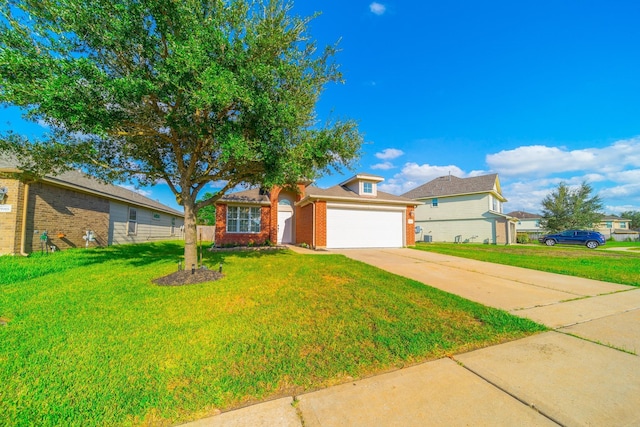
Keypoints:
(184, 92)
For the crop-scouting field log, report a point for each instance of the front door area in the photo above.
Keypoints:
(285, 226)
(285, 219)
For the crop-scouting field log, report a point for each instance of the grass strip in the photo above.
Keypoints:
(621, 267)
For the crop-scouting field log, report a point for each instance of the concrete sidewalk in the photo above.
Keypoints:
(563, 377)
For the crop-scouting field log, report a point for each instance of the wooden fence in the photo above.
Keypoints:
(206, 233)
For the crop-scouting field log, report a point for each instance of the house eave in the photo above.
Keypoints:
(442, 196)
(310, 199)
(81, 189)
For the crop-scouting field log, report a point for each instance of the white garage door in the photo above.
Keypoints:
(359, 228)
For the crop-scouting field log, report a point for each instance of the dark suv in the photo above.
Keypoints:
(591, 239)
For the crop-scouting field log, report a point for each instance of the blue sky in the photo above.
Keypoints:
(539, 92)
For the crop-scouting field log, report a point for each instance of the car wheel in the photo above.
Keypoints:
(549, 242)
(592, 244)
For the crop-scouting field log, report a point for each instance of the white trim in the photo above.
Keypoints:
(362, 207)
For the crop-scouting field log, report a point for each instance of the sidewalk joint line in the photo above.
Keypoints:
(530, 405)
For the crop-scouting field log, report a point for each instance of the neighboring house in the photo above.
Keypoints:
(463, 210)
(617, 228)
(527, 222)
(70, 206)
(353, 214)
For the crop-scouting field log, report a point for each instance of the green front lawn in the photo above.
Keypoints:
(601, 264)
(89, 340)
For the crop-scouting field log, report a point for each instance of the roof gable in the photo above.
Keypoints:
(452, 186)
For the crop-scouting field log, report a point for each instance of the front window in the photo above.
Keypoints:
(609, 224)
(367, 188)
(132, 226)
(243, 219)
(623, 225)
(434, 203)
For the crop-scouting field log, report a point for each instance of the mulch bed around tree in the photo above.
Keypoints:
(184, 277)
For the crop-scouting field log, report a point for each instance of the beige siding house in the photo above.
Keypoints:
(616, 228)
(462, 210)
(73, 210)
(528, 223)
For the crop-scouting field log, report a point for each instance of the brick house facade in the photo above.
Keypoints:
(307, 214)
(68, 206)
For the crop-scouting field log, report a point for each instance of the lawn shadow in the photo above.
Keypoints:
(135, 255)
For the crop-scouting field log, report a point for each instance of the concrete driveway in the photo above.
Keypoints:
(558, 301)
(585, 372)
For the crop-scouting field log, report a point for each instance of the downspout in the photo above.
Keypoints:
(23, 233)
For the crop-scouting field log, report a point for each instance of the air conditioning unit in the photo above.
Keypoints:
(428, 238)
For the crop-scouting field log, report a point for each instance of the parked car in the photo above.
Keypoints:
(591, 239)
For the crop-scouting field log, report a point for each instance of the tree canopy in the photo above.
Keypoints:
(570, 208)
(634, 216)
(182, 92)
(207, 214)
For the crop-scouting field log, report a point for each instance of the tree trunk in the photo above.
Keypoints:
(190, 235)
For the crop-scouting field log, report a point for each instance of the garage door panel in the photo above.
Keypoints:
(354, 228)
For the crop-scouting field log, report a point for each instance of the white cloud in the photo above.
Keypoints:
(426, 172)
(389, 154)
(377, 8)
(622, 191)
(383, 166)
(529, 173)
(542, 160)
(413, 175)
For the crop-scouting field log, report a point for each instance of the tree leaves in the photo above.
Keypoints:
(189, 92)
(570, 208)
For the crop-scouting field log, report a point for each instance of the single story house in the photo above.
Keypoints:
(461, 210)
(352, 214)
(74, 210)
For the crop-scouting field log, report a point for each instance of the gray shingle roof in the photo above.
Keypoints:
(338, 191)
(452, 185)
(251, 196)
(523, 215)
(82, 182)
(256, 196)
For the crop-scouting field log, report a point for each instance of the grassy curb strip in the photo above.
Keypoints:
(621, 267)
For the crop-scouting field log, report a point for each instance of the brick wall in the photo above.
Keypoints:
(224, 238)
(410, 230)
(321, 224)
(11, 222)
(66, 215)
(273, 214)
(304, 224)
